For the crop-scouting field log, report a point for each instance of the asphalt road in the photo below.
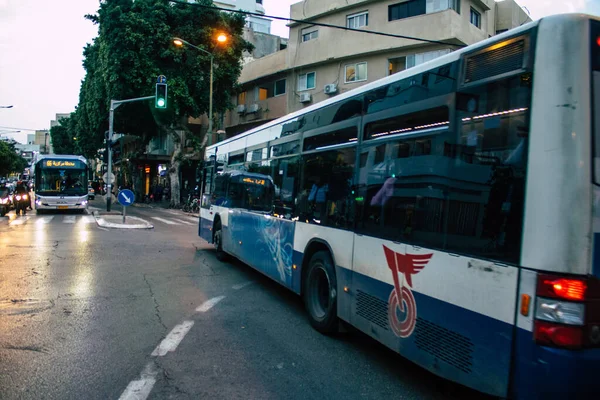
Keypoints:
(91, 313)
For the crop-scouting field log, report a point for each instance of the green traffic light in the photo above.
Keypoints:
(160, 102)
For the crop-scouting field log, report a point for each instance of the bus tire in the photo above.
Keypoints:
(218, 242)
(320, 293)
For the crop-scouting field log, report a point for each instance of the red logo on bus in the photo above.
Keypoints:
(401, 297)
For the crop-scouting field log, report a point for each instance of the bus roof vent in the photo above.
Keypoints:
(499, 59)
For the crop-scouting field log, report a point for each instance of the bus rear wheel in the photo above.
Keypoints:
(218, 242)
(320, 293)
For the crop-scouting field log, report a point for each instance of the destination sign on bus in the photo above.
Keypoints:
(62, 164)
(254, 181)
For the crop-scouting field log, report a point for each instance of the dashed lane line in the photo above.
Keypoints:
(141, 388)
(242, 285)
(170, 343)
(208, 304)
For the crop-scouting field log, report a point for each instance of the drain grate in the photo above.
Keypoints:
(372, 309)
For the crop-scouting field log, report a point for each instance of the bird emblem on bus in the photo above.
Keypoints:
(401, 298)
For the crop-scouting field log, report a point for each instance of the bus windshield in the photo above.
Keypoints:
(61, 182)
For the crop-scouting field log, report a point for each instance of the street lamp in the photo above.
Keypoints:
(221, 38)
(6, 106)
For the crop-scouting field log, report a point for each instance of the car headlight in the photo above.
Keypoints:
(24, 197)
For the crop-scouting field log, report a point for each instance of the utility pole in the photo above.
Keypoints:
(114, 104)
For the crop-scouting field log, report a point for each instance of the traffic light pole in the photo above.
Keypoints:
(114, 104)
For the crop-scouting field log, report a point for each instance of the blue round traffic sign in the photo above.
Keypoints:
(126, 197)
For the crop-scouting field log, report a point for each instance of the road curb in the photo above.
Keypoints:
(103, 223)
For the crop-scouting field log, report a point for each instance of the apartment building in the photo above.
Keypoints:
(321, 62)
(254, 22)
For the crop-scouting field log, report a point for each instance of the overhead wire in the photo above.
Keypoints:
(312, 23)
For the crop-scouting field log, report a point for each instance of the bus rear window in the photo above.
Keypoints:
(595, 53)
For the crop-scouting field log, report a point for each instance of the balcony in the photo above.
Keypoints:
(256, 112)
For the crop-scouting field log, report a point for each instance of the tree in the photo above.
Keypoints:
(134, 46)
(10, 160)
(62, 136)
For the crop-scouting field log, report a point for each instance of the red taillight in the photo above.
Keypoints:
(570, 289)
(563, 288)
(551, 334)
(598, 41)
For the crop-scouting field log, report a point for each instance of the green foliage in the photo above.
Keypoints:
(63, 136)
(10, 160)
(134, 46)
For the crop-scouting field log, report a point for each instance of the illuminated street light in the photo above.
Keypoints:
(221, 38)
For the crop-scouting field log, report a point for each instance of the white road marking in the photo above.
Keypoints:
(140, 389)
(87, 219)
(195, 220)
(104, 229)
(45, 220)
(242, 285)
(173, 339)
(69, 219)
(208, 304)
(19, 220)
(166, 221)
(182, 221)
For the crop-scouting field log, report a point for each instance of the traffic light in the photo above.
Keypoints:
(161, 96)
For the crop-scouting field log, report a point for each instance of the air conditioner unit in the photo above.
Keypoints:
(253, 108)
(241, 108)
(305, 98)
(330, 89)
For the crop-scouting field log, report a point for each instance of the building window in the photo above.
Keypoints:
(258, 1)
(309, 34)
(241, 98)
(307, 81)
(442, 5)
(407, 9)
(396, 65)
(356, 72)
(359, 20)
(475, 18)
(280, 87)
(420, 58)
(499, 31)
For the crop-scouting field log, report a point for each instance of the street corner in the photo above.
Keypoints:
(114, 221)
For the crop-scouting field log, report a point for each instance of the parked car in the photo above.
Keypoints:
(91, 193)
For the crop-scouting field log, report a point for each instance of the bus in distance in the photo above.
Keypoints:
(60, 182)
(450, 211)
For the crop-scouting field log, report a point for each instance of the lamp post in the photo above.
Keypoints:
(221, 38)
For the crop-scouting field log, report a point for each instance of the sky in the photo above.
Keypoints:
(41, 44)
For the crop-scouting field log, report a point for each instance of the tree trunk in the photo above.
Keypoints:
(174, 168)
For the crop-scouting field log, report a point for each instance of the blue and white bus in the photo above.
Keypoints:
(450, 211)
(60, 183)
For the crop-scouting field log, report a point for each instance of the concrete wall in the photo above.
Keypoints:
(265, 66)
(334, 43)
(264, 44)
(510, 15)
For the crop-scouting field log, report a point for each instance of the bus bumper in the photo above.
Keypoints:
(551, 373)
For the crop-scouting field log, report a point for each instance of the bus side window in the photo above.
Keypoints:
(326, 192)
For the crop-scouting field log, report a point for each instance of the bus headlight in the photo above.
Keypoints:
(18, 198)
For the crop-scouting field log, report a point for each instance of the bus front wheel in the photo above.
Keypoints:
(320, 293)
